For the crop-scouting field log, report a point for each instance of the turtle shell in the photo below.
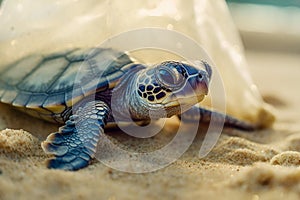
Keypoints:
(46, 86)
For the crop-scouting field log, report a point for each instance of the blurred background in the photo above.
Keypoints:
(268, 24)
(270, 31)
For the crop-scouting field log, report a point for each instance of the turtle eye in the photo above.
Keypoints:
(166, 76)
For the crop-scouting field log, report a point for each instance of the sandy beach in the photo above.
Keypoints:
(259, 165)
(263, 164)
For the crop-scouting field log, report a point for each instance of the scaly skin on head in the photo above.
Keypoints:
(163, 90)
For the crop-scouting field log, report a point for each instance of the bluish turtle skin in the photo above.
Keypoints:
(75, 88)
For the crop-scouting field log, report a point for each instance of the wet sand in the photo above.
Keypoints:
(260, 165)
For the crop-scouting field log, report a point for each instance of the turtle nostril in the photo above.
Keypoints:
(200, 76)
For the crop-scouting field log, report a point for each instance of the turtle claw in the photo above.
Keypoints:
(51, 148)
(54, 138)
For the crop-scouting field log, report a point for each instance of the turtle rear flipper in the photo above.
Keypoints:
(74, 145)
(216, 118)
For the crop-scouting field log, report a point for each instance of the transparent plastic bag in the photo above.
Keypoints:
(47, 26)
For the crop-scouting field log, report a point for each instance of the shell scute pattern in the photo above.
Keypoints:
(21, 99)
(50, 84)
(16, 72)
(9, 96)
(35, 102)
(81, 54)
(64, 79)
(42, 77)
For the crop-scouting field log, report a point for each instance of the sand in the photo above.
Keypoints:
(260, 165)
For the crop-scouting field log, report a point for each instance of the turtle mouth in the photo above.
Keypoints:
(183, 100)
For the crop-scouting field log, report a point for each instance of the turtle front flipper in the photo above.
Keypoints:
(74, 145)
(208, 116)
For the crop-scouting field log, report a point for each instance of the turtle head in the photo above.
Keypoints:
(173, 86)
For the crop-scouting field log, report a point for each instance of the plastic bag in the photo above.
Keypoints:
(49, 26)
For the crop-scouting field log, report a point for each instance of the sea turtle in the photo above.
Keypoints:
(49, 87)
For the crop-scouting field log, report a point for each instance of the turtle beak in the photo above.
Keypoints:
(200, 83)
(207, 69)
(202, 86)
